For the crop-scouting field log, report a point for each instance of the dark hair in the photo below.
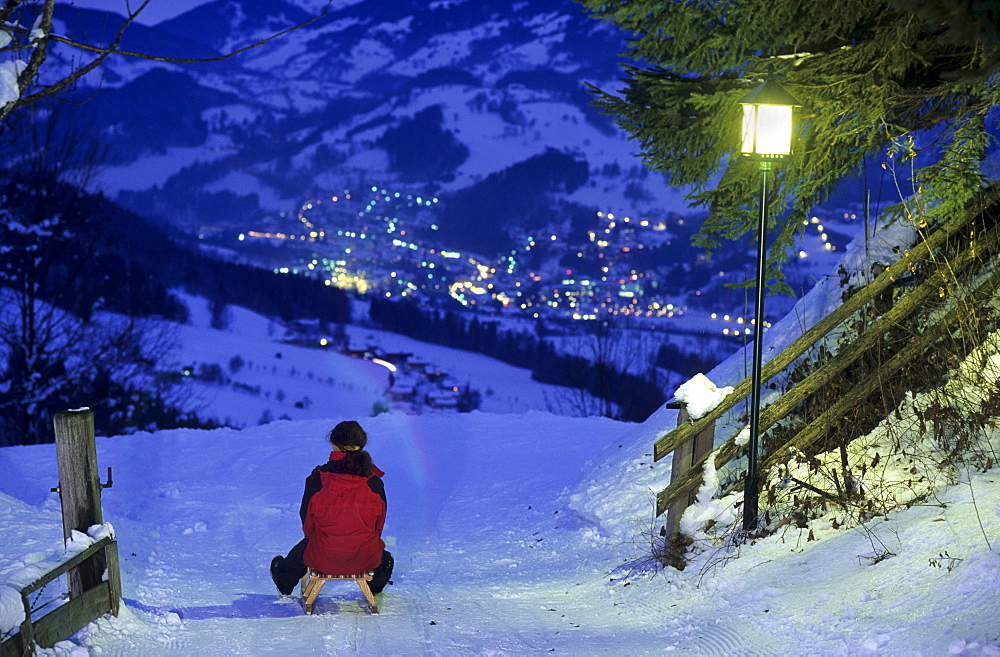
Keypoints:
(348, 434)
(355, 462)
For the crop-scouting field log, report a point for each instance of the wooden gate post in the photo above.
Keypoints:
(685, 455)
(79, 489)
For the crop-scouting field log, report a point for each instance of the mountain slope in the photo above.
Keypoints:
(316, 110)
(224, 23)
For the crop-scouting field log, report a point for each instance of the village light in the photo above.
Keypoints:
(766, 138)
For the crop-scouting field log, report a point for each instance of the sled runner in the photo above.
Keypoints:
(313, 581)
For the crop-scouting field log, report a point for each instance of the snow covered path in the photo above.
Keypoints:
(479, 537)
(490, 557)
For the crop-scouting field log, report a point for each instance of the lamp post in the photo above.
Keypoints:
(767, 137)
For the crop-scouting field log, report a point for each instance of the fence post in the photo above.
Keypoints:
(685, 456)
(79, 489)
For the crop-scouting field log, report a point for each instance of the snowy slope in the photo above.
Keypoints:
(490, 560)
(512, 534)
(634, 456)
(286, 381)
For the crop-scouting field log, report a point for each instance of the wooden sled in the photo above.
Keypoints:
(313, 581)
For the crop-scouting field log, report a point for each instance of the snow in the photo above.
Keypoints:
(10, 91)
(368, 56)
(34, 566)
(294, 55)
(494, 143)
(446, 50)
(701, 395)
(158, 169)
(513, 532)
(297, 382)
(11, 608)
(490, 558)
(243, 183)
(706, 508)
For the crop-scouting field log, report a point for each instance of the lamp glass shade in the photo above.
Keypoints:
(767, 130)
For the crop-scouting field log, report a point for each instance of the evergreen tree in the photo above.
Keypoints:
(910, 81)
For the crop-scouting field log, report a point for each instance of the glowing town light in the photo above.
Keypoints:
(384, 363)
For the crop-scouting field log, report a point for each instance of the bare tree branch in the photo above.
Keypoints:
(113, 50)
(8, 9)
(60, 85)
(39, 45)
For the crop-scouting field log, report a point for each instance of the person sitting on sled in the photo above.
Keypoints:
(343, 512)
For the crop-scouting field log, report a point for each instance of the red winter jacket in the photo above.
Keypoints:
(343, 521)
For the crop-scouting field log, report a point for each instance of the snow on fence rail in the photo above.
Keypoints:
(62, 621)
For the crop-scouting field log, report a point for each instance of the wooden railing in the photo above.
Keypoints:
(92, 575)
(62, 621)
(980, 239)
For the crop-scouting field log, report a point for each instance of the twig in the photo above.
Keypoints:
(823, 493)
(972, 493)
(113, 50)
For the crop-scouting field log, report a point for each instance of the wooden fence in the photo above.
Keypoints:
(62, 621)
(92, 575)
(979, 235)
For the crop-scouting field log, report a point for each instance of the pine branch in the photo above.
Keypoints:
(870, 74)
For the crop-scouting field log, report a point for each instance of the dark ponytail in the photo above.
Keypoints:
(358, 463)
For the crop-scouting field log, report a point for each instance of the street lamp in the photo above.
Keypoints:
(766, 138)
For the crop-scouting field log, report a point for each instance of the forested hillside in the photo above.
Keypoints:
(80, 281)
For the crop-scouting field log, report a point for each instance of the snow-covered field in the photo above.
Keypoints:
(490, 556)
(510, 528)
(287, 381)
